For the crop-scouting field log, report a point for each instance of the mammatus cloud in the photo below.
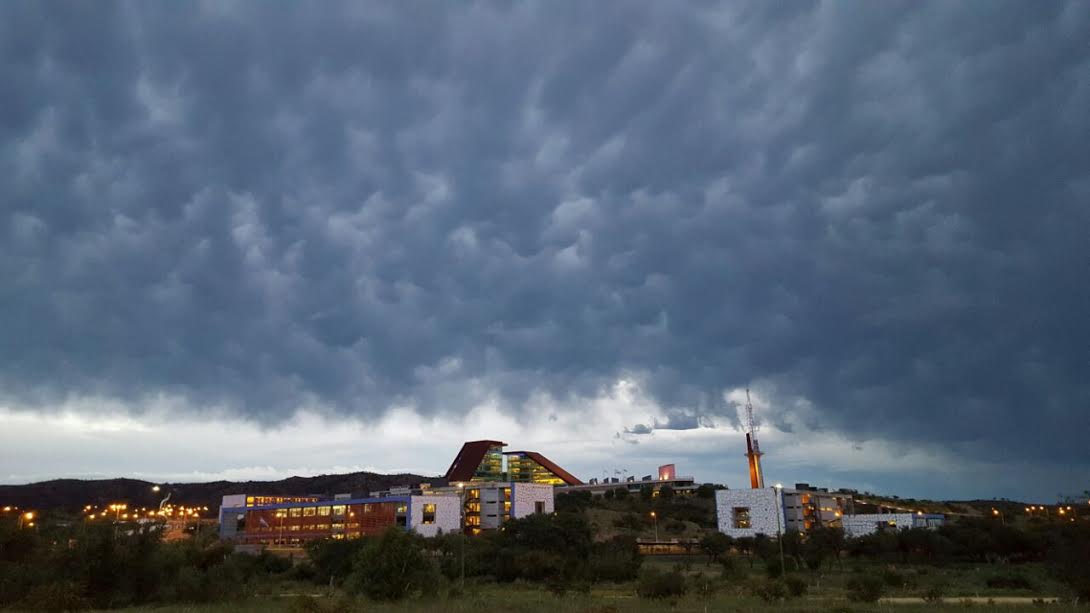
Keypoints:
(877, 213)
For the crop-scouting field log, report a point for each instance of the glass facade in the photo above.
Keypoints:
(491, 467)
(522, 469)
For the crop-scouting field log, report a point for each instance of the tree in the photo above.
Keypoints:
(647, 492)
(715, 545)
(666, 493)
(392, 566)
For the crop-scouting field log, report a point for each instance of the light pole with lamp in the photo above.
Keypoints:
(655, 518)
(778, 489)
(462, 530)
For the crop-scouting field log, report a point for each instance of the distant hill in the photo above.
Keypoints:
(73, 494)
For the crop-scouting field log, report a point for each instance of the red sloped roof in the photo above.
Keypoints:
(564, 475)
(468, 459)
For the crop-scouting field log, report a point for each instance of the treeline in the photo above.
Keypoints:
(1064, 549)
(556, 551)
(68, 567)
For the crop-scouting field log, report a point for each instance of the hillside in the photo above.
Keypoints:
(73, 494)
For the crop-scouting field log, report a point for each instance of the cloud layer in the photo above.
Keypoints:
(875, 214)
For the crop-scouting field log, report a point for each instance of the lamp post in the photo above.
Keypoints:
(462, 526)
(655, 519)
(25, 517)
(999, 514)
(779, 532)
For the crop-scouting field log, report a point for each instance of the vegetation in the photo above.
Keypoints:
(585, 554)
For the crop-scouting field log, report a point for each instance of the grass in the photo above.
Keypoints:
(826, 592)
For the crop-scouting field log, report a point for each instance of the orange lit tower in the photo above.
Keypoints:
(753, 449)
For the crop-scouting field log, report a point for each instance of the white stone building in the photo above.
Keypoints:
(750, 512)
(869, 523)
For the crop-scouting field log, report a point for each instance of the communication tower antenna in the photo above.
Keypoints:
(753, 449)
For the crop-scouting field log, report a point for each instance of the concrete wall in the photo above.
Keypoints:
(524, 495)
(764, 506)
(448, 514)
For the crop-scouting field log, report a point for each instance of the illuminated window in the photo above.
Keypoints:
(308, 512)
(294, 528)
(338, 510)
(740, 516)
(296, 512)
(323, 511)
(249, 501)
(368, 508)
(429, 513)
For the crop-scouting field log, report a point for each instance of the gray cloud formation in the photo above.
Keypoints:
(880, 208)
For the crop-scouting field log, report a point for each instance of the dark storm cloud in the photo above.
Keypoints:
(879, 208)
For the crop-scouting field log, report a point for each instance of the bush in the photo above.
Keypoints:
(1009, 581)
(769, 590)
(392, 566)
(796, 586)
(56, 597)
(934, 593)
(616, 560)
(775, 569)
(892, 578)
(865, 588)
(732, 569)
(657, 584)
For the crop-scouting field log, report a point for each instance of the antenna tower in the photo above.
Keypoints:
(753, 448)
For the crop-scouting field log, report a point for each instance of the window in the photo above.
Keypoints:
(740, 517)
(539, 506)
(338, 510)
(323, 511)
(295, 512)
(402, 515)
(429, 513)
(308, 512)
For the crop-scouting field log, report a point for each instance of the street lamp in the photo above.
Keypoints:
(778, 489)
(462, 540)
(655, 518)
(25, 517)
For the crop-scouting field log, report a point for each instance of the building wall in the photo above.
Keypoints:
(764, 506)
(448, 517)
(525, 496)
(869, 523)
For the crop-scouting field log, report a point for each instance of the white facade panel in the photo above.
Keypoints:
(448, 514)
(526, 496)
(761, 509)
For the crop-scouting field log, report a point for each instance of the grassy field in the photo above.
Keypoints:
(963, 586)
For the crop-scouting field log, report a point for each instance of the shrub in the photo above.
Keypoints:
(1009, 581)
(769, 590)
(56, 597)
(934, 593)
(796, 586)
(865, 588)
(615, 560)
(775, 569)
(675, 527)
(892, 578)
(392, 566)
(732, 569)
(657, 584)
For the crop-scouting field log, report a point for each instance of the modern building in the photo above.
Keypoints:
(249, 500)
(484, 461)
(296, 522)
(771, 511)
(666, 475)
(489, 504)
(869, 523)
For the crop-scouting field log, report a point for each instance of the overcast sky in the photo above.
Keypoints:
(263, 239)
